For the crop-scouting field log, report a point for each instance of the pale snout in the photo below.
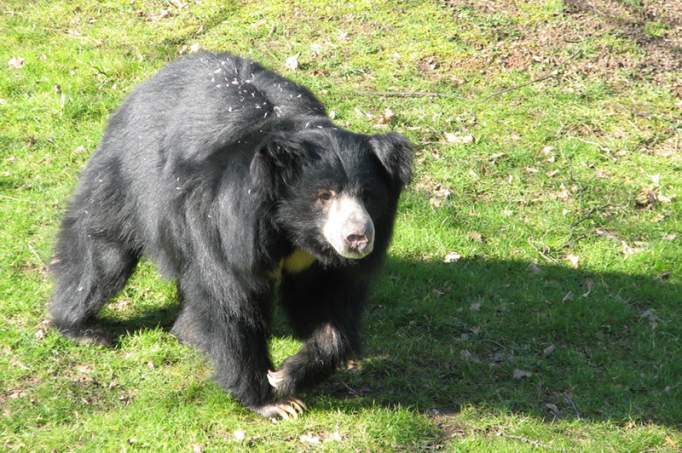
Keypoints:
(349, 228)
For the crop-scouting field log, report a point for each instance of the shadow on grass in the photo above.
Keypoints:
(168, 48)
(546, 341)
(154, 317)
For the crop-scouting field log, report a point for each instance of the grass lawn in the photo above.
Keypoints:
(533, 297)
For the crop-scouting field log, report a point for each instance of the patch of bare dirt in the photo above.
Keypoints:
(661, 54)
(669, 148)
(556, 44)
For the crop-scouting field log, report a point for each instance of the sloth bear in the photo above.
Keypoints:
(236, 184)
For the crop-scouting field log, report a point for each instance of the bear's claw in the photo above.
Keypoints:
(291, 407)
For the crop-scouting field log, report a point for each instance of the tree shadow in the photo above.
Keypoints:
(547, 341)
(542, 340)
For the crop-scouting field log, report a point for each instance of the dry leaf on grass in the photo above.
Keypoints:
(385, 118)
(552, 409)
(648, 197)
(498, 357)
(651, 317)
(563, 193)
(16, 62)
(196, 47)
(459, 139)
(334, 437)
(162, 14)
(493, 158)
(606, 234)
(573, 260)
(663, 276)
(291, 63)
(628, 250)
(42, 329)
(533, 268)
(428, 64)
(469, 356)
(309, 439)
(84, 369)
(521, 374)
(452, 257)
(589, 286)
(439, 195)
(315, 49)
(475, 236)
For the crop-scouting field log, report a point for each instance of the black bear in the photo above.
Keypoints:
(237, 185)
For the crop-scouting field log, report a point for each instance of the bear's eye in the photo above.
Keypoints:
(365, 195)
(325, 195)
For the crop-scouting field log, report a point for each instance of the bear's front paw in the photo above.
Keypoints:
(291, 407)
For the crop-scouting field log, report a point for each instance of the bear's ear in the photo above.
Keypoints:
(395, 154)
(276, 164)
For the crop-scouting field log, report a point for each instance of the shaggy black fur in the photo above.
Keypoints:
(211, 169)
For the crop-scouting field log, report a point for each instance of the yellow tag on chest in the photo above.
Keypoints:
(298, 261)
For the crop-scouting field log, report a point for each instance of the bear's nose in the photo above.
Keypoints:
(357, 241)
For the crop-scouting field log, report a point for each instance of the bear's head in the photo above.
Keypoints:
(334, 192)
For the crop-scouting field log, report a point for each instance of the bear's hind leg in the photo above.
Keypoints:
(88, 271)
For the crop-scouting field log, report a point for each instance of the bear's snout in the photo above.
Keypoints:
(360, 236)
(348, 228)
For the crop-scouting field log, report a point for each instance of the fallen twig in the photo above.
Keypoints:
(570, 401)
(409, 94)
(350, 389)
(36, 255)
(430, 94)
(589, 214)
(516, 87)
(543, 254)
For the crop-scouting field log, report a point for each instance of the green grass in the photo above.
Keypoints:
(586, 163)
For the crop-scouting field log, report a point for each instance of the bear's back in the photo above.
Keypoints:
(202, 103)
